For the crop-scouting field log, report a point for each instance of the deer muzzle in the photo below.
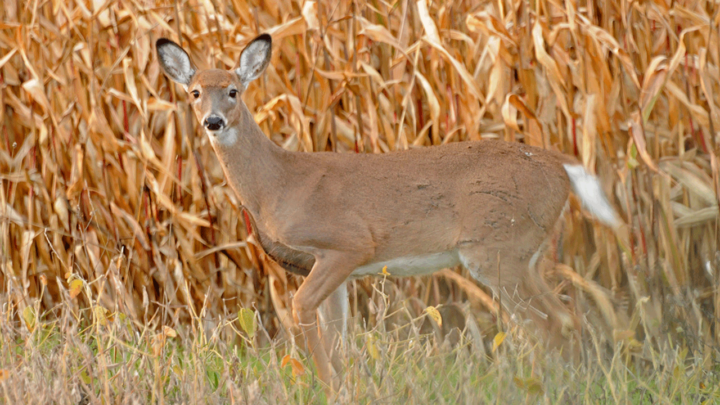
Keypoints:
(214, 122)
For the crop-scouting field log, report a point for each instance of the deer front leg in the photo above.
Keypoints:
(330, 271)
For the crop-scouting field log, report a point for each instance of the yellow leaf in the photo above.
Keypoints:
(75, 287)
(246, 318)
(384, 271)
(101, 315)
(498, 339)
(372, 347)
(532, 385)
(85, 377)
(177, 370)
(297, 367)
(634, 345)
(170, 332)
(284, 361)
(29, 317)
(4, 374)
(434, 314)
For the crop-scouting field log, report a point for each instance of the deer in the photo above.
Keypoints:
(489, 206)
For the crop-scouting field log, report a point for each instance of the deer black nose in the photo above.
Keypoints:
(214, 123)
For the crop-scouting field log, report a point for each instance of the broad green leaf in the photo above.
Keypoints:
(85, 377)
(214, 378)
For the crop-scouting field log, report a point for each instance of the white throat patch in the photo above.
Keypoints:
(226, 137)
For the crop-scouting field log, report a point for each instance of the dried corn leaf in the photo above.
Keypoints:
(116, 162)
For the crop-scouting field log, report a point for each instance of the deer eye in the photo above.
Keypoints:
(195, 93)
(233, 93)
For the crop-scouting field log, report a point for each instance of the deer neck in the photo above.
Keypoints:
(254, 166)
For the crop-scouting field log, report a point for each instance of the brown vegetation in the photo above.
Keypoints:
(105, 179)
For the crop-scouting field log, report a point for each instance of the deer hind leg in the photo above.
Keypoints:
(333, 314)
(523, 292)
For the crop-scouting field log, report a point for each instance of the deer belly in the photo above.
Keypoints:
(410, 265)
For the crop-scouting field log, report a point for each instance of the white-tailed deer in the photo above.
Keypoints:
(487, 205)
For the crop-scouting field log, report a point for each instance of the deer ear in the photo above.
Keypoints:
(254, 59)
(174, 61)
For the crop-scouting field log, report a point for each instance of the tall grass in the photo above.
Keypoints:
(107, 359)
(116, 222)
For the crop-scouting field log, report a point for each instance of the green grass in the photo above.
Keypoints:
(110, 360)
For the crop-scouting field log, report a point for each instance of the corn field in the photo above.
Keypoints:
(111, 197)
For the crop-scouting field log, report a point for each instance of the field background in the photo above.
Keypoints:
(125, 260)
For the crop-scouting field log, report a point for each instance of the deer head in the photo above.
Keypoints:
(214, 94)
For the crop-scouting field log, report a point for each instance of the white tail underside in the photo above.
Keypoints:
(587, 188)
